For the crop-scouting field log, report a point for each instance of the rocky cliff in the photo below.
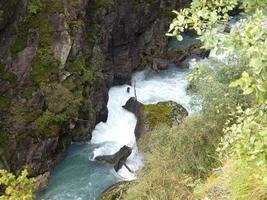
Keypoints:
(57, 60)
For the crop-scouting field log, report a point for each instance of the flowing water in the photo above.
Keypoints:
(78, 176)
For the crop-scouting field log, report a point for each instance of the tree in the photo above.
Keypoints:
(16, 188)
(244, 144)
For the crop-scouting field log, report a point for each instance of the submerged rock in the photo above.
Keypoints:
(118, 159)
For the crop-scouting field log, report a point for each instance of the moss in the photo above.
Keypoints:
(53, 93)
(4, 146)
(158, 114)
(43, 66)
(77, 65)
(47, 125)
(70, 84)
(20, 42)
(93, 25)
(69, 102)
(5, 100)
(22, 114)
(39, 21)
(7, 76)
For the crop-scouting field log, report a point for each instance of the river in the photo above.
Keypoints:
(77, 176)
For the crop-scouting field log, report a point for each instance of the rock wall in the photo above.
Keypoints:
(57, 60)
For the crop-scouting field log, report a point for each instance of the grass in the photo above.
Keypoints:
(177, 156)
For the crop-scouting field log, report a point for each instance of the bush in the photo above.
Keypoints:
(16, 188)
(178, 155)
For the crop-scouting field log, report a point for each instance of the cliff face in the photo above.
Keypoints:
(57, 60)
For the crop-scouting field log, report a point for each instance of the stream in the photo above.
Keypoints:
(77, 176)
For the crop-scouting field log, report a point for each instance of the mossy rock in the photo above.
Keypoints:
(44, 65)
(163, 113)
(4, 146)
(47, 125)
(116, 192)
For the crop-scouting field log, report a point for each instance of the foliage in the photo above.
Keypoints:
(48, 124)
(177, 155)
(44, 65)
(246, 139)
(242, 63)
(16, 188)
(204, 15)
(237, 180)
(209, 81)
(34, 6)
(245, 41)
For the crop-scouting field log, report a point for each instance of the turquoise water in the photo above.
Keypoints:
(78, 178)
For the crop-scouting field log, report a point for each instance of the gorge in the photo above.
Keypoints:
(77, 176)
(58, 62)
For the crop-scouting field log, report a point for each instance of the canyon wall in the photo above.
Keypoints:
(58, 58)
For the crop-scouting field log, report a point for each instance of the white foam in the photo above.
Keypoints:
(119, 128)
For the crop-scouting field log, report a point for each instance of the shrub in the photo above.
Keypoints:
(177, 156)
(16, 188)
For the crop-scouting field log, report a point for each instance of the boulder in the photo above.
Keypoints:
(160, 64)
(133, 105)
(181, 52)
(116, 191)
(118, 159)
(150, 116)
(41, 181)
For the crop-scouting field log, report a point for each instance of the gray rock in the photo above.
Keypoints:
(133, 106)
(62, 42)
(118, 159)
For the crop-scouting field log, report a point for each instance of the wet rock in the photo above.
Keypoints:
(181, 52)
(41, 181)
(133, 105)
(118, 159)
(160, 64)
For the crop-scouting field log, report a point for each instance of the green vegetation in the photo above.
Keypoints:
(20, 187)
(158, 113)
(34, 7)
(43, 66)
(177, 155)
(221, 153)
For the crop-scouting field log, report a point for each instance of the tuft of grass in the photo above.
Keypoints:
(236, 180)
(178, 155)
